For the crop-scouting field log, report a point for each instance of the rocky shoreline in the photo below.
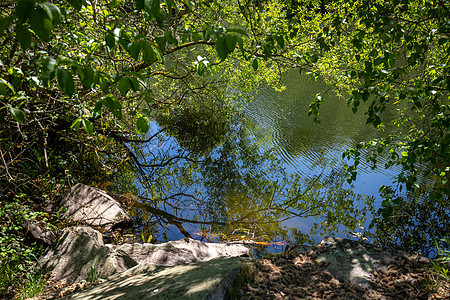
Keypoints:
(79, 265)
(334, 269)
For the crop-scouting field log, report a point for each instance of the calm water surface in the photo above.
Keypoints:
(306, 147)
(282, 125)
(301, 143)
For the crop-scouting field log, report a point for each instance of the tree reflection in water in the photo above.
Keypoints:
(231, 189)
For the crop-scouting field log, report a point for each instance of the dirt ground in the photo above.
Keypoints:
(301, 276)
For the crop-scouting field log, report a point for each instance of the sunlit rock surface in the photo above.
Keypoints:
(81, 249)
(92, 206)
(201, 280)
(78, 249)
(179, 252)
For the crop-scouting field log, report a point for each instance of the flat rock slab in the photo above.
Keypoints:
(179, 252)
(92, 206)
(206, 280)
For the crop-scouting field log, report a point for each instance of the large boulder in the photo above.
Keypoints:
(78, 250)
(92, 206)
(81, 248)
(179, 252)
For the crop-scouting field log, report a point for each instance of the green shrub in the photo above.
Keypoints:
(33, 285)
(18, 257)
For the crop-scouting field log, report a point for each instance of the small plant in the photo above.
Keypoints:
(149, 239)
(93, 275)
(32, 286)
(441, 263)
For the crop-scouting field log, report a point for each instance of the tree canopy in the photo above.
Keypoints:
(104, 66)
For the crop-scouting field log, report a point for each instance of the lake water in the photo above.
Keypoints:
(307, 147)
(230, 182)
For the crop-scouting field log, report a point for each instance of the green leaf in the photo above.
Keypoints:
(237, 30)
(189, 4)
(195, 37)
(134, 49)
(23, 35)
(41, 24)
(52, 11)
(149, 54)
(113, 106)
(171, 38)
(231, 42)
(147, 112)
(241, 45)
(280, 40)
(4, 23)
(142, 125)
(87, 125)
(76, 124)
(139, 5)
(185, 37)
(170, 4)
(368, 66)
(86, 75)
(48, 70)
(207, 34)
(124, 39)
(222, 48)
(404, 153)
(77, 4)
(123, 86)
(3, 85)
(110, 41)
(378, 61)
(98, 106)
(104, 85)
(24, 9)
(19, 115)
(159, 54)
(154, 8)
(161, 41)
(149, 99)
(65, 81)
(138, 76)
(201, 69)
(255, 64)
(134, 83)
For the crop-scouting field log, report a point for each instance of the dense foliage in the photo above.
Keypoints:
(392, 58)
(81, 81)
